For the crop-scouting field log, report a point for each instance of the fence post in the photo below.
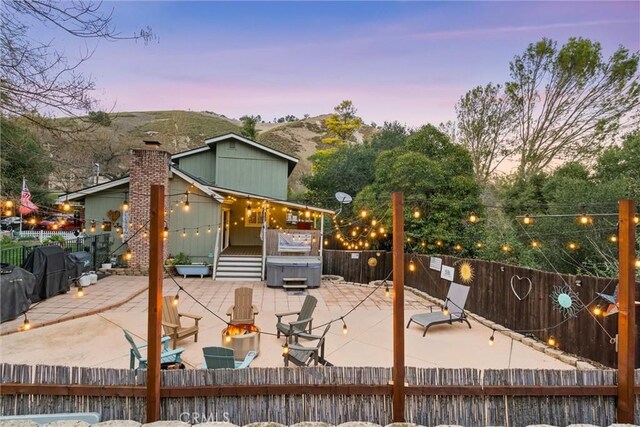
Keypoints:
(398, 307)
(626, 313)
(94, 250)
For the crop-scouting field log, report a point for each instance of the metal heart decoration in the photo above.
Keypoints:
(113, 215)
(521, 280)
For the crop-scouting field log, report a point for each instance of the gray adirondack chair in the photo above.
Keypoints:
(242, 311)
(455, 302)
(304, 355)
(303, 321)
(223, 357)
(166, 356)
(172, 324)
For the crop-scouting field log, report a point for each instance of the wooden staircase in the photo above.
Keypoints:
(246, 268)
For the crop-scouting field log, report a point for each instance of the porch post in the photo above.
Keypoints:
(321, 242)
(264, 241)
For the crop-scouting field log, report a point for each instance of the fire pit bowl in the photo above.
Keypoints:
(242, 339)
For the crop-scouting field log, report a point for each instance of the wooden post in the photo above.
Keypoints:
(626, 312)
(155, 302)
(398, 307)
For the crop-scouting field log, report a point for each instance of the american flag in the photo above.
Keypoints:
(26, 205)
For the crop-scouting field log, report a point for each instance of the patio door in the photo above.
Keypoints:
(226, 220)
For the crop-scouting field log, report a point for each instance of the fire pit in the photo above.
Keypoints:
(242, 339)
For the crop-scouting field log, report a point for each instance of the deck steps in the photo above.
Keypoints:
(239, 268)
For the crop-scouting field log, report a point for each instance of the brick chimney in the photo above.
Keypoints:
(149, 165)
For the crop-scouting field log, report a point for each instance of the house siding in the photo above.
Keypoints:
(96, 207)
(204, 212)
(201, 165)
(242, 167)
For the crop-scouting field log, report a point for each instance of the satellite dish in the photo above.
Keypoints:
(343, 197)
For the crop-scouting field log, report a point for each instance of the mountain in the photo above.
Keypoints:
(77, 154)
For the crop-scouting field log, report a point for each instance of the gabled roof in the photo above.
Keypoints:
(213, 141)
(80, 194)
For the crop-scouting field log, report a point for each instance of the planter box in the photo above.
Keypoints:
(193, 270)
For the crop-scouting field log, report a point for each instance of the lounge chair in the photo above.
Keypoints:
(223, 357)
(166, 356)
(302, 323)
(455, 302)
(303, 355)
(242, 311)
(172, 324)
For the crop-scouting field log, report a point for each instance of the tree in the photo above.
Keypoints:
(37, 77)
(249, 126)
(622, 164)
(22, 156)
(437, 179)
(342, 125)
(392, 135)
(569, 102)
(484, 126)
(100, 118)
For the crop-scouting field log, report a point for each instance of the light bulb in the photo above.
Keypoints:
(373, 222)
(584, 219)
(613, 238)
(381, 230)
(345, 330)
(552, 341)
(125, 205)
(176, 299)
(80, 292)
(416, 213)
(363, 213)
(66, 206)
(165, 232)
(473, 218)
(527, 220)
(386, 291)
(597, 310)
(445, 310)
(535, 244)
(26, 325)
(479, 245)
(128, 255)
(492, 339)
(285, 348)
(186, 206)
(412, 266)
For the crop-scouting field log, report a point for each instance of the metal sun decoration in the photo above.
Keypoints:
(566, 300)
(465, 270)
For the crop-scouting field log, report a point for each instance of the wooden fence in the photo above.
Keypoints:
(330, 394)
(492, 297)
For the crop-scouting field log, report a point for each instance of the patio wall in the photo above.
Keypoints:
(330, 394)
(491, 297)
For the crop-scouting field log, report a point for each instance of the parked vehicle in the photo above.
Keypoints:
(10, 222)
(61, 222)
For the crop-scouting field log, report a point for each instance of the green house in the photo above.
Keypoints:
(226, 207)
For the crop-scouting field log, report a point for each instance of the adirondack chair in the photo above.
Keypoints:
(303, 355)
(223, 357)
(455, 302)
(242, 311)
(172, 324)
(301, 324)
(166, 356)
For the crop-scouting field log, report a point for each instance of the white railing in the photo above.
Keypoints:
(41, 235)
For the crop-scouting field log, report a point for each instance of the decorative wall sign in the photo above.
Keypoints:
(372, 262)
(465, 271)
(294, 242)
(435, 263)
(521, 286)
(447, 273)
(566, 300)
(113, 215)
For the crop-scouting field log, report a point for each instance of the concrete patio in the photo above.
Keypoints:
(96, 340)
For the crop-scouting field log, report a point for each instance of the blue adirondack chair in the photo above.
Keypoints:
(222, 357)
(166, 356)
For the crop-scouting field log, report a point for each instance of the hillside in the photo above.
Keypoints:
(109, 146)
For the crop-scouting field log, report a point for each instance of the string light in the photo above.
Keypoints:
(227, 338)
(597, 310)
(637, 265)
(93, 226)
(636, 219)
(416, 213)
(80, 292)
(381, 230)
(492, 339)
(197, 231)
(552, 341)
(184, 233)
(584, 219)
(209, 229)
(285, 347)
(176, 298)
(613, 238)
(505, 248)
(186, 206)
(125, 203)
(386, 290)
(373, 222)
(473, 218)
(535, 244)
(527, 220)
(457, 247)
(412, 266)
(445, 310)
(66, 206)
(128, 255)
(307, 213)
(26, 325)
(573, 246)
(479, 245)
(439, 243)
(165, 232)
(363, 213)
(345, 330)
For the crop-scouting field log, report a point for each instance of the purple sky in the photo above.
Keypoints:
(406, 61)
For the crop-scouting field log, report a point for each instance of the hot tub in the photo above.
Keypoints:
(280, 267)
